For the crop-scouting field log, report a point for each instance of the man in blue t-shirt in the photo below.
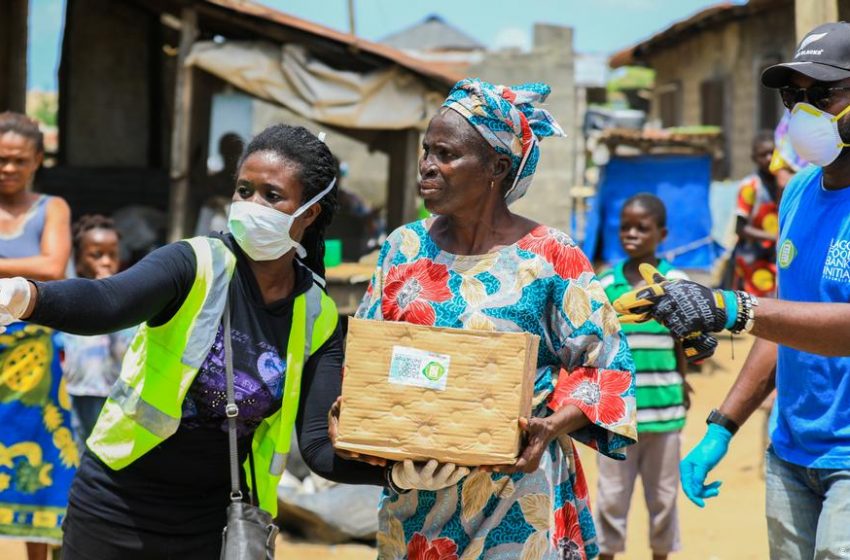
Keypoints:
(808, 464)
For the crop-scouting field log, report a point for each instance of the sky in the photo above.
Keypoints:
(601, 26)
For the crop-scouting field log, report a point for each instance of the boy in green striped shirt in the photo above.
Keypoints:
(661, 397)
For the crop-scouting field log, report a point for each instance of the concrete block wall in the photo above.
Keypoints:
(368, 172)
(734, 52)
(550, 61)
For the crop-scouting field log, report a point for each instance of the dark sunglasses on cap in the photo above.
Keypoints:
(817, 95)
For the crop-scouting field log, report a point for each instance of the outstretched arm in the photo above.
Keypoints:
(819, 328)
(687, 307)
(152, 290)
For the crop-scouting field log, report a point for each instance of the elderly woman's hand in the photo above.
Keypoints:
(333, 431)
(539, 433)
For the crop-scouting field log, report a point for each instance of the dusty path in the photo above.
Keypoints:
(731, 527)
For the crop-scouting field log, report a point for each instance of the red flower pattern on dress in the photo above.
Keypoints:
(597, 392)
(580, 481)
(567, 533)
(419, 548)
(558, 250)
(409, 290)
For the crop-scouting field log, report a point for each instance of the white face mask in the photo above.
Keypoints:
(263, 232)
(814, 134)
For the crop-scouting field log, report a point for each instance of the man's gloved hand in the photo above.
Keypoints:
(14, 300)
(684, 307)
(705, 456)
(698, 347)
(432, 475)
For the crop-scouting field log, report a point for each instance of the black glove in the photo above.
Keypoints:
(699, 347)
(684, 307)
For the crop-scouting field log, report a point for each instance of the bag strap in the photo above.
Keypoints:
(231, 410)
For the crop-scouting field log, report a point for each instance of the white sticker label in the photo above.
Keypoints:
(411, 366)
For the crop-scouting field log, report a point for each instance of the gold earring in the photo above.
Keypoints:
(491, 185)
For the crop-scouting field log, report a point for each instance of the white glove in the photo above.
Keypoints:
(14, 299)
(427, 476)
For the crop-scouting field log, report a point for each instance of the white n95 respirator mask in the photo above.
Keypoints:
(814, 134)
(263, 232)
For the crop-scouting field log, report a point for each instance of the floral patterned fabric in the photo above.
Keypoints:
(542, 284)
(755, 261)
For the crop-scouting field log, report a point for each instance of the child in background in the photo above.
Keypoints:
(661, 397)
(757, 225)
(92, 363)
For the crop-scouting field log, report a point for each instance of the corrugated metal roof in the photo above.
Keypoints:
(432, 34)
(357, 45)
(709, 17)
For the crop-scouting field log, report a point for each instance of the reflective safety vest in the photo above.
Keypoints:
(145, 405)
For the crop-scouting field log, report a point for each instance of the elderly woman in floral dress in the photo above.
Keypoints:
(477, 265)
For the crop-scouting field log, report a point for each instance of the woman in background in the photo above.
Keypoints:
(35, 241)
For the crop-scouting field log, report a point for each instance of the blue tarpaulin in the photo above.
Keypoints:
(681, 181)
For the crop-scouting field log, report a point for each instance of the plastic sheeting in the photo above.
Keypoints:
(682, 182)
(389, 98)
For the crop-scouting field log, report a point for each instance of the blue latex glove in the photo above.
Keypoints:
(705, 456)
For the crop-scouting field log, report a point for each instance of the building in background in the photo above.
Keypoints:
(137, 80)
(708, 68)
(550, 59)
(435, 40)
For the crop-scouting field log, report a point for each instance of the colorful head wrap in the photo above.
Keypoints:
(506, 119)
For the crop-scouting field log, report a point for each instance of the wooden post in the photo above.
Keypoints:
(808, 14)
(13, 55)
(403, 188)
(181, 129)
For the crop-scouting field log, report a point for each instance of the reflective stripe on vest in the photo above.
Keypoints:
(145, 405)
(305, 311)
(212, 265)
(146, 415)
(317, 312)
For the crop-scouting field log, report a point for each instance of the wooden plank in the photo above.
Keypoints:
(403, 187)
(181, 129)
(808, 14)
(13, 55)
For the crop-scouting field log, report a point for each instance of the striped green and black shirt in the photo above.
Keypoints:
(659, 393)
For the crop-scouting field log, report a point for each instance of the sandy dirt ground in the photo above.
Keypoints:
(731, 527)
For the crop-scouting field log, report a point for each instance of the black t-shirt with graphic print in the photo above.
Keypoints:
(182, 486)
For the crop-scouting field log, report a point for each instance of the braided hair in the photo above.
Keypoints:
(317, 168)
(88, 222)
(23, 126)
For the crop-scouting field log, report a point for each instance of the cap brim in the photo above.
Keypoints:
(779, 75)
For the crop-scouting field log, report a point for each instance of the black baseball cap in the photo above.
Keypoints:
(823, 55)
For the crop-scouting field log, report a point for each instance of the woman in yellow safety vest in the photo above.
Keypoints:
(154, 480)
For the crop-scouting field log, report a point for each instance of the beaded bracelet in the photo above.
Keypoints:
(388, 475)
(746, 313)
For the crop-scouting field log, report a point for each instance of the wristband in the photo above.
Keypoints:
(388, 476)
(716, 417)
(751, 314)
(730, 298)
(746, 313)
